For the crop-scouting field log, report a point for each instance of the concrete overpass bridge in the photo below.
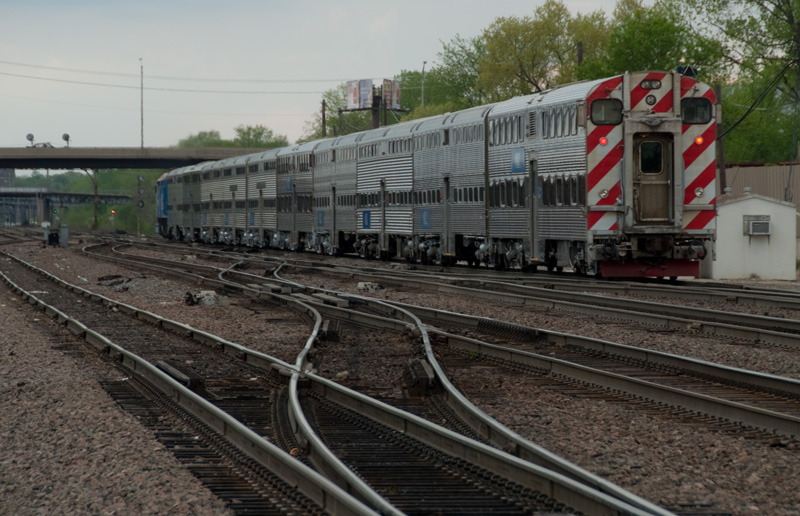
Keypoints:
(112, 157)
(20, 205)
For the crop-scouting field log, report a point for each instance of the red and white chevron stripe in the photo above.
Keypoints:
(661, 101)
(699, 161)
(604, 160)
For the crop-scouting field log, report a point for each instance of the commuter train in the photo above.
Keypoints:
(612, 177)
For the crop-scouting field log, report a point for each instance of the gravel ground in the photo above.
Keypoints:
(659, 457)
(66, 446)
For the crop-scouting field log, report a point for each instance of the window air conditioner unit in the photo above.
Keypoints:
(759, 227)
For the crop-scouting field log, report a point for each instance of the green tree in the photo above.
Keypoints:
(247, 137)
(258, 137)
(761, 42)
(534, 53)
(119, 182)
(204, 139)
(450, 84)
(766, 134)
(653, 38)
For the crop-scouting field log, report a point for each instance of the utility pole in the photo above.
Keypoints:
(141, 97)
(423, 82)
(723, 180)
(324, 129)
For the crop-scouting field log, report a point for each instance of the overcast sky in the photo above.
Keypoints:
(73, 66)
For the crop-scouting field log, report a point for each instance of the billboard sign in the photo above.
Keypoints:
(365, 93)
(395, 95)
(352, 95)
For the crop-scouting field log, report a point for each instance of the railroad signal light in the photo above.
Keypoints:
(113, 212)
(55, 210)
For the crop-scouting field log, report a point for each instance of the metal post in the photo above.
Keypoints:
(324, 128)
(141, 97)
(423, 82)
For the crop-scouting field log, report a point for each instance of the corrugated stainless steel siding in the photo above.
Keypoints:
(398, 220)
(508, 222)
(562, 223)
(397, 172)
(467, 219)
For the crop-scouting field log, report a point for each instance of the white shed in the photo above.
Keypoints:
(755, 239)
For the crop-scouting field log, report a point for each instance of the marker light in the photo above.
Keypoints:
(603, 194)
(699, 140)
(604, 141)
(698, 192)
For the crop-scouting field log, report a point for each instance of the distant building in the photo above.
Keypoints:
(7, 176)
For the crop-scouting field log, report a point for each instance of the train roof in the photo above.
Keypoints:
(372, 135)
(348, 139)
(469, 116)
(401, 129)
(265, 156)
(431, 123)
(298, 148)
(237, 161)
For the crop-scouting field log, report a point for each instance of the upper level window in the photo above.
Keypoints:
(696, 111)
(607, 112)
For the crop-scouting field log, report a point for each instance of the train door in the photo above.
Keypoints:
(447, 246)
(334, 234)
(653, 174)
(534, 194)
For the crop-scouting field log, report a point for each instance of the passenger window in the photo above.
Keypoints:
(559, 191)
(606, 112)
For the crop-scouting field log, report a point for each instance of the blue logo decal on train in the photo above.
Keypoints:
(366, 219)
(320, 218)
(517, 161)
(425, 218)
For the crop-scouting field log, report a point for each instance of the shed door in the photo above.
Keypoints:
(653, 171)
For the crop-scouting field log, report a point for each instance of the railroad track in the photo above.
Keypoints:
(572, 494)
(757, 329)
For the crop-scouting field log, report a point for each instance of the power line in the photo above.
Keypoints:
(173, 78)
(155, 111)
(760, 97)
(173, 90)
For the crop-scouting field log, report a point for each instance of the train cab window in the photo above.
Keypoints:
(606, 112)
(651, 157)
(696, 111)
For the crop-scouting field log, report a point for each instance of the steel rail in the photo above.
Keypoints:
(315, 486)
(481, 421)
(566, 490)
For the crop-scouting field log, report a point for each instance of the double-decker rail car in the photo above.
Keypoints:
(295, 196)
(335, 199)
(262, 207)
(384, 180)
(614, 177)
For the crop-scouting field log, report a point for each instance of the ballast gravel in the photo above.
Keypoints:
(67, 448)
